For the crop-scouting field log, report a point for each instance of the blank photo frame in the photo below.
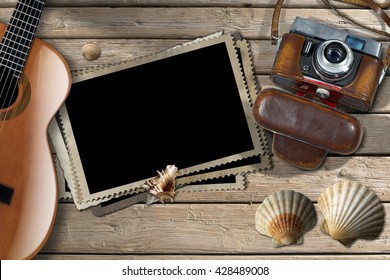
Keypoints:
(189, 105)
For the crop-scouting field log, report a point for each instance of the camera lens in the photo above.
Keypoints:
(333, 60)
(335, 53)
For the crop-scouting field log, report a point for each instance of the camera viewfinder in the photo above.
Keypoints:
(355, 43)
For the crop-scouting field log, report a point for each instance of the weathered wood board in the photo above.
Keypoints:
(187, 229)
(210, 225)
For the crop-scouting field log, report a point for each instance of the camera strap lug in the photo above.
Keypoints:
(278, 40)
(383, 74)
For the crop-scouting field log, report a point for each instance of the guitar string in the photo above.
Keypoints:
(4, 45)
(12, 44)
(38, 7)
(35, 17)
(28, 13)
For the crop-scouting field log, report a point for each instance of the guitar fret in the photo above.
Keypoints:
(13, 49)
(10, 61)
(41, 2)
(35, 4)
(19, 34)
(12, 55)
(27, 23)
(6, 66)
(30, 16)
(28, 6)
(22, 45)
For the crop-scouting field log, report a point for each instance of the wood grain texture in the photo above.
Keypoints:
(186, 3)
(116, 50)
(369, 171)
(192, 22)
(209, 225)
(204, 229)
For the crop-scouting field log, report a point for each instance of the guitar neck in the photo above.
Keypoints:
(20, 32)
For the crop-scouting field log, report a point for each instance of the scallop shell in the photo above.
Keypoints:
(90, 52)
(351, 211)
(285, 216)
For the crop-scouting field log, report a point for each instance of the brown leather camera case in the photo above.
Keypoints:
(297, 153)
(305, 130)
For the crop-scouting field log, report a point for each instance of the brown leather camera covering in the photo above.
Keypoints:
(307, 121)
(359, 94)
(297, 153)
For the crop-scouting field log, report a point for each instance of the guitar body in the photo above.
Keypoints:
(27, 175)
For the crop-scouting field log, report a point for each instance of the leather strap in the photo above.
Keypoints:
(362, 3)
(377, 8)
(275, 22)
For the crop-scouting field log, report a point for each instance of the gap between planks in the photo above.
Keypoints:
(187, 229)
(183, 23)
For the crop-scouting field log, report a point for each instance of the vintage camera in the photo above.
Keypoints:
(338, 67)
(318, 67)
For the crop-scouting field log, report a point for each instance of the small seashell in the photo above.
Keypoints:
(285, 216)
(351, 211)
(90, 51)
(162, 187)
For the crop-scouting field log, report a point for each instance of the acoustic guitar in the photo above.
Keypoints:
(34, 82)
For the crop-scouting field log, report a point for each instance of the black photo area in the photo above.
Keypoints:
(183, 110)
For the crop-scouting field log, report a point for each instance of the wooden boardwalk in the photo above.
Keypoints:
(212, 225)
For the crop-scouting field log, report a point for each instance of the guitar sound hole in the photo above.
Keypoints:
(8, 89)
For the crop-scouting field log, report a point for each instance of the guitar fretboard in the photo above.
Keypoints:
(18, 37)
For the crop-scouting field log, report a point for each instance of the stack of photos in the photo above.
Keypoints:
(190, 105)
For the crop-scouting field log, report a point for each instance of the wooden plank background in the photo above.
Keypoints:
(210, 224)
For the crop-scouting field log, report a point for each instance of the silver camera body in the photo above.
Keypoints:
(332, 55)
